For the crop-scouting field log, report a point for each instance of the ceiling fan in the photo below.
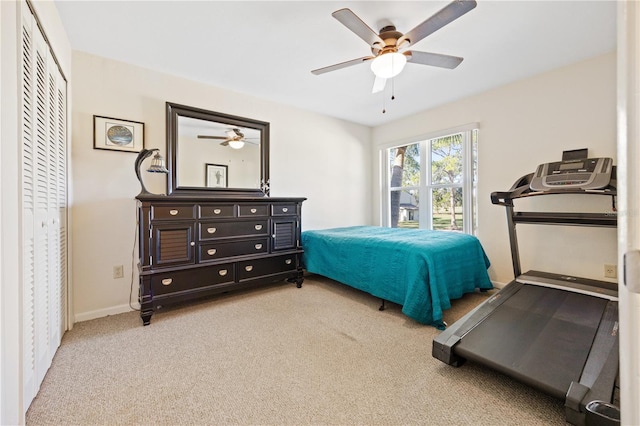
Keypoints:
(389, 47)
(234, 139)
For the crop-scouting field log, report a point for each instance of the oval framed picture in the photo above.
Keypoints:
(117, 135)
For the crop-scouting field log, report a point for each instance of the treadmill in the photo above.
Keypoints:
(553, 332)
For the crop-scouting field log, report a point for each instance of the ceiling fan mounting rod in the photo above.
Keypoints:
(390, 36)
(390, 32)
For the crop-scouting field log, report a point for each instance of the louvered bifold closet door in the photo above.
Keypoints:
(43, 205)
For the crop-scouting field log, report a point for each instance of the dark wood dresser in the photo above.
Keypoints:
(192, 247)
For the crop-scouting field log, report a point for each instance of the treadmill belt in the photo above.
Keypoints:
(540, 336)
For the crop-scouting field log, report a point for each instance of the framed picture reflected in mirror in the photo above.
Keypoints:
(216, 176)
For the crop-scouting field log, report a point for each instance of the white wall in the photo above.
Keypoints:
(524, 124)
(314, 156)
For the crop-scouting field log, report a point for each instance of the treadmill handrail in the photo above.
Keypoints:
(521, 189)
(609, 220)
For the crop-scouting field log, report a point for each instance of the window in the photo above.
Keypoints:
(432, 182)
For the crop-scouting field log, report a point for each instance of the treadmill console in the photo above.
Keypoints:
(581, 173)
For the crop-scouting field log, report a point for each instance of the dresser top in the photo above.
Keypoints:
(209, 199)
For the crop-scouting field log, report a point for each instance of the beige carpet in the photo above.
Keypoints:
(278, 355)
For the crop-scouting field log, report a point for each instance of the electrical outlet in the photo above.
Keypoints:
(610, 271)
(118, 271)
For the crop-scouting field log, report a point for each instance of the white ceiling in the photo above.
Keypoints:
(268, 48)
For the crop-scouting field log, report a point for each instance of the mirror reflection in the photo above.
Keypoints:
(216, 154)
(230, 154)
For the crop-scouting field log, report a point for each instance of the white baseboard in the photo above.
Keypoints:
(498, 285)
(114, 310)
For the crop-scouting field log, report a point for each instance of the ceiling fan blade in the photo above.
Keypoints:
(433, 59)
(211, 137)
(447, 14)
(341, 65)
(225, 143)
(378, 84)
(355, 24)
(235, 132)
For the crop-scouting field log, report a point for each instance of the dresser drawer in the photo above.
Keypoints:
(282, 209)
(249, 210)
(213, 230)
(220, 250)
(176, 211)
(269, 266)
(216, 210)
(172, 282)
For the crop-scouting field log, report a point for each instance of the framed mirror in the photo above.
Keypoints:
(215, 154)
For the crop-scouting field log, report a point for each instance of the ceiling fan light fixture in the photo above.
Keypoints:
(388, 65)
(236, 144)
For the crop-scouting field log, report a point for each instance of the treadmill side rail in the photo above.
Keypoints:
(600, 373)
(444, 343)
(602, 289)
(443, 350)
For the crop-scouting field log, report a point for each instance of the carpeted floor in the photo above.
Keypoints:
(278, 355)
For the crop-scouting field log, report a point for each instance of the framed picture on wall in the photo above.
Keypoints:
(216, 176)
(115, 134)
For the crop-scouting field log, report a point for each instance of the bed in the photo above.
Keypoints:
(422, 270)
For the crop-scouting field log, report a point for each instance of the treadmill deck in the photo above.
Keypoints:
(540, 336)
(549, 331)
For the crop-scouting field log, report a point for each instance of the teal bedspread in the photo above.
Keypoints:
(421, 270)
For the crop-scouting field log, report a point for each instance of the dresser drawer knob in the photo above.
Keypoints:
(258, 227)
(288, 261)
(211, 230)
(211, 252)
(284, 209)
(258, 246)
(167, 281)
(248, 268)
(173, 212)
(254, 210)
(192, 243)
(222, 272)
(217, 211)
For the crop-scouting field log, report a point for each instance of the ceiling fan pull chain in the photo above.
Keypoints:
(384, 110)
(393, 89)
